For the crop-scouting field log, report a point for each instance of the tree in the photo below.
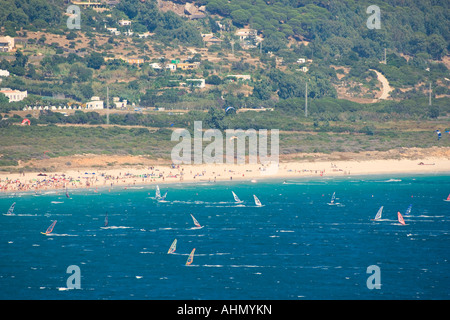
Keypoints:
(214, 80)
(3, 99)
(240, 17)
(436, 46)
(94, 60)
(262, 90)
(215, 118)
(71, 35)
(87, 91)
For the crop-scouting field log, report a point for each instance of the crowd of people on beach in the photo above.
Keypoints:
(131, 177)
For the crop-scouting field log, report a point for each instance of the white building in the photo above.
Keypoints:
(245, 33)
(124, 23)
(144, 35)
(4, 73)
(14, 95)
(304, 69)
(199, 83)
(155, 65)
(120, 104)
(6, 44)
(243, 77)
(114, 31)
(94, 104)
(171, 66)
(301, 60)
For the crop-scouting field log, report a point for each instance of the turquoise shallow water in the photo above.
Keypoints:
(294, 247)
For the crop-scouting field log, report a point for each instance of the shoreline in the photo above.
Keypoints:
(126, 177)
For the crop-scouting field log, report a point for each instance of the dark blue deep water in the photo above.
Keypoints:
(294, 247)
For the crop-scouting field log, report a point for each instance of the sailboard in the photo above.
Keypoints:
(198, 225)
(106, 220)
(50, 228)
(378, 215)
(400, 218)
(10, 210)
(333, 199)
(408, 211)
(157, 193)
(448, 198)
(257, 202)
(190, 258)
(173, 247)
(236, 198)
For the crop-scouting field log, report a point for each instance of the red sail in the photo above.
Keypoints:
(400, 218)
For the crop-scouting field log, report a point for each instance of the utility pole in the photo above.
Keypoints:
(429, 99)
(306, 99)
(107, 105)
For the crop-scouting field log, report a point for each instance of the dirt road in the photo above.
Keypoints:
(386, 88)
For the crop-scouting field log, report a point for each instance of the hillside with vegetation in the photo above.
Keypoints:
(319, 50)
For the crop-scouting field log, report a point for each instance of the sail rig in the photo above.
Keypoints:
(198, 225)
(158, 193)
(257, 202)
(11, 209)
(67, 193)
(236, 198)
(50, 228)
(173, 247)
(379, 213)
(106, 220)
(408, 211)
(190, 258)
(333, 198)
(400, 218)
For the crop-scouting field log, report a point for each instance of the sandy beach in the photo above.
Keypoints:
(137, 175)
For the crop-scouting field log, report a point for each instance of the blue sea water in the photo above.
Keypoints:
(296, 246)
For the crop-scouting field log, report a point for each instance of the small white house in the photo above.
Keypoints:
(120, 104)
(124, 23)
(301, 60)
(155, 65)
(199, 83)
(14, 95)
(94, 104)
(114, 31)
(242, 77)
(4, 73)
(171, 66)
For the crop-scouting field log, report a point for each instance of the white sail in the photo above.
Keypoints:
(158, 193)
(257, 202)
(408, 211)
(333, 199)
(11, 209)
(236, 197)
(379, 213)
